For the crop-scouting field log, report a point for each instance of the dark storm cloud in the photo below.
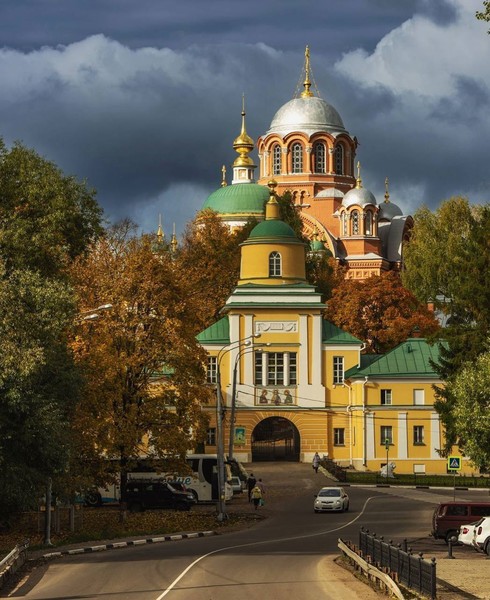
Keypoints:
(148, 109)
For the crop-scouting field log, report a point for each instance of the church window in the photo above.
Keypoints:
(319, 157)
(355, 222)
(276, 157)
(344, 223)
(212, 370)
(275, 368)
(369, 223)
(338, 370)
(339, 159)
(274, 264)
(297, 151)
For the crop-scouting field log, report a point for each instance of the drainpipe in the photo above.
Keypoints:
(349, 412)
(364, 450)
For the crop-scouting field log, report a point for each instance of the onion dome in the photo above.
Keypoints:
(238, 199)
(308, 113)
(358, 195)
(388, 210)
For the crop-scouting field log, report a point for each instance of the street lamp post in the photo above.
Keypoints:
(220, 451)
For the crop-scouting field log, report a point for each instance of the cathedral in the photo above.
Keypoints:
(310, 154)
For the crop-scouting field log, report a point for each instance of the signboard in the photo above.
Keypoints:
(239, 438)
(454, 463)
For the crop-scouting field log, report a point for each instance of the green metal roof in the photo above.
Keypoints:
(411, 358)
(239, 198)
(331, 334)
(273, 228)
(217, 333)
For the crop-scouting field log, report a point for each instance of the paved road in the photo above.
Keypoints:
(289, 554)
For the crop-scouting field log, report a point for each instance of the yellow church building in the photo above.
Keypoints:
(294, 384)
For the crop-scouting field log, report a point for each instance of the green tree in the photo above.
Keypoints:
(143, 369)
(484, 15)
(38, 385)
(379, 311)
(471, 390)
(447, 261)
(46, 217)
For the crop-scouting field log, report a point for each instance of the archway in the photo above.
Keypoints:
(275, 438)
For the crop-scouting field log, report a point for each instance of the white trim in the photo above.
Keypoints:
(402, 435)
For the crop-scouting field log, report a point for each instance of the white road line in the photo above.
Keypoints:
(287, 539)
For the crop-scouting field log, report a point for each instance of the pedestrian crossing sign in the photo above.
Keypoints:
(454, 463)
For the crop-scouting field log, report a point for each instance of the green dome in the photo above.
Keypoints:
(273, 228)
(240, 198)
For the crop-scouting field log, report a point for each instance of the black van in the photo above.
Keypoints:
(155, 493)
(449, 516)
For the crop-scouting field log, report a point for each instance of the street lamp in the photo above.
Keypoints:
(233, 395)
(221, 508)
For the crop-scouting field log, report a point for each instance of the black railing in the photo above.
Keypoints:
(411, 570)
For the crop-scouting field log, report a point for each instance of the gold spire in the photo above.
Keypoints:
(358, 178)
(243, 144)
(173, 242)
(387, 194)
(307, 93)
(160, 233)
(223, 178)
(272, 206)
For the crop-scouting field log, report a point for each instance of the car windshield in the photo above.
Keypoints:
(331, 493)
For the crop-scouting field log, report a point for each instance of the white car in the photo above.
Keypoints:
(331, 499)
(482, 536)
(467, 533)
(236, 485)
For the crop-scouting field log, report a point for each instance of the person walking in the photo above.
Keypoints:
(256, 496)
(261, 486)
(251, 481)
(316, 462)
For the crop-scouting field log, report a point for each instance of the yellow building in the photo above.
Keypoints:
(301, 385)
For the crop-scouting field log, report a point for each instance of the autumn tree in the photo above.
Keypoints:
(484, 15)
(209, 261)
(143, 369)
(379, 311)
(447, 262)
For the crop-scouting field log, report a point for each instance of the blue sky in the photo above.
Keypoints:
(142, 98)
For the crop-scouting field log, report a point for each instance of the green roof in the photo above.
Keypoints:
(331, 334)
(239, 198)
(273, 228)
(217, 333)
(411, 358)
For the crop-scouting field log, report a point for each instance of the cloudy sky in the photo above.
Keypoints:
(142, 98)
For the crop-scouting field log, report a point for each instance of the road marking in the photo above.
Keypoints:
(286, 539)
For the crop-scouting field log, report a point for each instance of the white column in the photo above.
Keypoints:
(402, 435)
(303, 351)
(316, 352)
(249, 357)
(265, 365)
(286, 368)
(435, 434)
(369, 433)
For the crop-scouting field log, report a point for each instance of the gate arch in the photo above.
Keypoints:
(275, 438)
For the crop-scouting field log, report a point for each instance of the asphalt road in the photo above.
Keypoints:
(287, 555)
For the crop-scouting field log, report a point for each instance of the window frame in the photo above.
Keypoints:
(386, 432)
(319, 158)
(386, 394)
(212, 370)
(339, 159)
(275, 264)
(297, 158)
(276, 159)
(338, 365)
(417, 430)
(339, 436)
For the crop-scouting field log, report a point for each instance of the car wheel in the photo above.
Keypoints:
(194, 493)
(487, 547)
(316, 511)
(135, 507)
(452, 536)
(93, 499)
(347, 507)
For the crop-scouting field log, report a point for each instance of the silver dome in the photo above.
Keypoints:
(360, 196)
(388, 210)
(309, 115)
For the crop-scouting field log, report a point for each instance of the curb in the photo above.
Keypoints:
(113, 545)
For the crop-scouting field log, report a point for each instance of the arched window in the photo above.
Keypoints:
(276, 160)
(368, 223)
(344, 223)
(319, 157)
(297, 151)
(274, 264)
(339, 159)
(355, 222)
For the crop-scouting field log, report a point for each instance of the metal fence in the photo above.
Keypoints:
(12, 562)
(411, 570)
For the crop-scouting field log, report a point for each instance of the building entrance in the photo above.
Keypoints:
(275, 438)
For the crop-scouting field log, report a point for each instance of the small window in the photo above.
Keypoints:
(319, 157)
(419, 397)
(386, 433)
(385, 397)
(211, 437)
(368, 223)
(297, 151)
(274, 264)
(418, 435)
(339, 160)
(339, 436)
(355, 222)
(338, 370)
(212, 370)
(276, 158)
